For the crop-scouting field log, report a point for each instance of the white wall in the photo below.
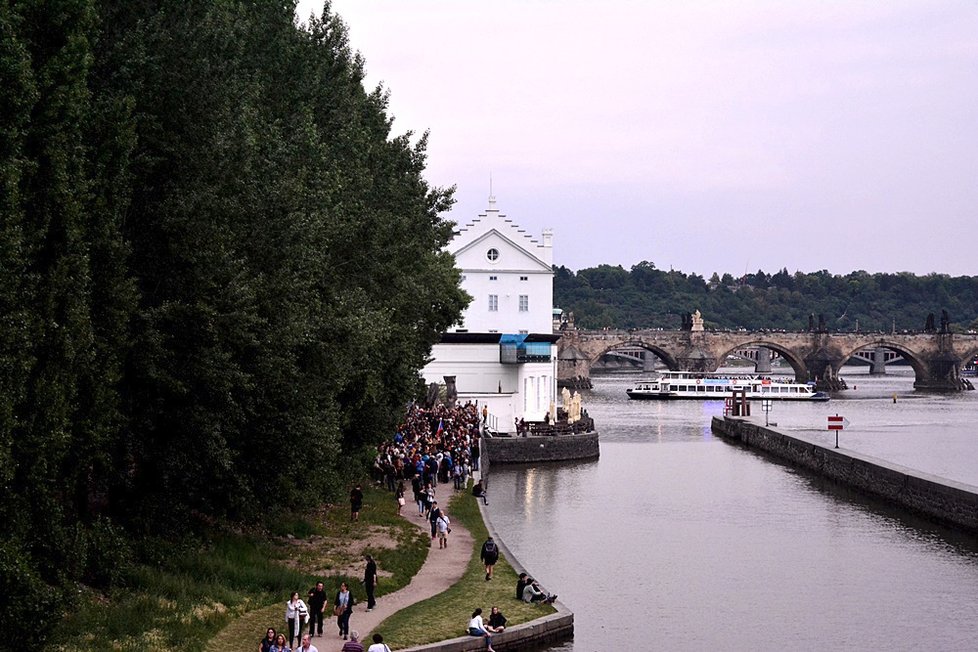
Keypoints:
(480, 376)
(521, 266)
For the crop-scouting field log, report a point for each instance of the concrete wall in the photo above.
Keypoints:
(952, 503)
(554, 628)
(529, 450)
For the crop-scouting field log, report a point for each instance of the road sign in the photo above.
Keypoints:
(838, 423)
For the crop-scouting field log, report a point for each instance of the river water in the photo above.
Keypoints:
(676, 540)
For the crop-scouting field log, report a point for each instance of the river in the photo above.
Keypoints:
(676, 540)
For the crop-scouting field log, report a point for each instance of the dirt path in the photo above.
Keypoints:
(441, 569)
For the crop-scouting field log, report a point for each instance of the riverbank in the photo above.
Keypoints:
(946, 501)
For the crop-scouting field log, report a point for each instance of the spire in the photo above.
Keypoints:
(492, 197)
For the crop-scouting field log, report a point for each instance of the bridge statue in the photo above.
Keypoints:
(696, 323)
(815, 356)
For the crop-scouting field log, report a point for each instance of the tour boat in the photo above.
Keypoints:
(695, 385)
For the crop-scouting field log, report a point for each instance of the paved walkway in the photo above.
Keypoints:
(441, 569)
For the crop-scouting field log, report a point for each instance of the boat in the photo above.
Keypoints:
(671, 385)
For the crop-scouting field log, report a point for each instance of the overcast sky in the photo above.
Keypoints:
(702, 136)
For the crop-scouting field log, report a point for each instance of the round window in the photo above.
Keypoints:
(492, 254)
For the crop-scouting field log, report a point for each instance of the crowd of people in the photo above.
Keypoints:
(431, 447)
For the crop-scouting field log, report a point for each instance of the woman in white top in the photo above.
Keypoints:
(296, 613)
(379, 645)
(476, 628)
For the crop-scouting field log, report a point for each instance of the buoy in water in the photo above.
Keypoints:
(894, 398)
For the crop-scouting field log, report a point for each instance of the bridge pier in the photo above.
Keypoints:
(762, 364)
(942, 374)
(648, 361)
(878, 365)
(825, 374)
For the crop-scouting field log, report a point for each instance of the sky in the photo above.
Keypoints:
(700, 136)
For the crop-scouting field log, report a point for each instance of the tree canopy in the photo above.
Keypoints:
(220, 272)
(646, 297)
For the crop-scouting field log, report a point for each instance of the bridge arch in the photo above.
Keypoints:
(668, 359)
(796, 363)
(920, 368)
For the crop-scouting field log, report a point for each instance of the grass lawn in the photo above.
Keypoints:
(223, 593)
(447, 615)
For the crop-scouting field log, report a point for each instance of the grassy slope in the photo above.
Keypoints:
(447, 615)
(235, 585)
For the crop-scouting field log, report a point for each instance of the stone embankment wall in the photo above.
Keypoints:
(554, 628)
(532, 450)
(952, 503)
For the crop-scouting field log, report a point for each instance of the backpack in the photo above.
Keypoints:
(490, 547)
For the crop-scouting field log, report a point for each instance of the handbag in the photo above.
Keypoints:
(400, 501)
(338, 610)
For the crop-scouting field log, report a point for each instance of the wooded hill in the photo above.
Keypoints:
(219, 275)
(646, 297)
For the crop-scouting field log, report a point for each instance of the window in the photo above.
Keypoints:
(524, 278)
(493, 302)
(492, 278)
(493, 255)
(524, 303)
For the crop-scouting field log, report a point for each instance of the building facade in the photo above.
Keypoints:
(503, 353)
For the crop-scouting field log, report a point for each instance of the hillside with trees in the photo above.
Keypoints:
(220, 273)
(646, 297)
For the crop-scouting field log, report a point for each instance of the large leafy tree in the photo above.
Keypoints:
(221, 272)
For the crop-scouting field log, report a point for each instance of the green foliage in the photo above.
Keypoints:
(219, 272)
(646, 297)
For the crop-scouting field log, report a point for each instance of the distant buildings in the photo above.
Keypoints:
(504, 353)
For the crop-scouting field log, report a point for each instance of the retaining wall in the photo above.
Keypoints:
(531, 450)
(952, 503)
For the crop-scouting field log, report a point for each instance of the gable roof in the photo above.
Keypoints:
(530, 256)
(493, 222)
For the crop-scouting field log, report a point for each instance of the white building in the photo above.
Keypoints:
(504, 351)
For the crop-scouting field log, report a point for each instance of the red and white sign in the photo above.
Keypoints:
(837, 422)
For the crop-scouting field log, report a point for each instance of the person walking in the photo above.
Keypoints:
(489, 556)
(280, 644)
(356, 502)
(266, 643)
(307, 645)
(370, 581)
(399, 496)
(343, 609)
(379, 645)
(317, 609)
(433, 518)
(296, 614)
(353, 645)
(442, 524)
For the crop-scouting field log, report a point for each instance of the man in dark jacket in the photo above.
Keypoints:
(370, 581)
(489, 556)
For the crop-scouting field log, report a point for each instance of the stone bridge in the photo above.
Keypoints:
(936, 358)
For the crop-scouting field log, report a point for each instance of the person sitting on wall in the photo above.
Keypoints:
(497, 621)
(532, 593)
(479, 492)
